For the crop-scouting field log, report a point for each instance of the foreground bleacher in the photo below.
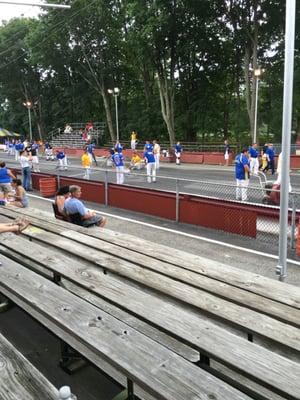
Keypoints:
(164, 323)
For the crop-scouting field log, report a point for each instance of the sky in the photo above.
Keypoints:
(8, 11)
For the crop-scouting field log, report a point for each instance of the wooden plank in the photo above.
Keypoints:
(246, 319)
(265, 287)
(40, 254)
(19, 379)
(161, 372)
(250, 359)
(239, 296)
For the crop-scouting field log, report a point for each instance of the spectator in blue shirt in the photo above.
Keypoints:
(75, 206)
(271, 158)
(178, 151)
(254, 164)
(150, 165)
(118, 160)
(242, 168)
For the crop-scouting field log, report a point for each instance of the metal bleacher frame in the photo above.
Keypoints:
(74, 139)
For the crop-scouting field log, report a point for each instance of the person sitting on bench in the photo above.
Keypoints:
(62, 195)
(78, 213)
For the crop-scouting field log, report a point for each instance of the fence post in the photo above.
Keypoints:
(106, 187)
(58, 180)
(293, 222)
(177, 200)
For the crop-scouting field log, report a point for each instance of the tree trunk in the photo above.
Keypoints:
(166, 94)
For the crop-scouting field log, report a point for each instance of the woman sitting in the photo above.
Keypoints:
(20, 198)
(61, 197)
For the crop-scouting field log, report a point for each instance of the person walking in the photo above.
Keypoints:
(25, 159)
(271, 158)
(254, 164)
(62, 160)
(156, 151)
(90, 149)
(86, 164)
(242, 168)
(118, 160)
(150, 165)
(35, 158)
(178, 151)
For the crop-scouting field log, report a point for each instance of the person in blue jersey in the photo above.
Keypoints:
(178, 151)
(271, 158)
(62, 160)
(11, 147)
(242, 168)
(118, 160)
(6, 177)
(90, 148)
(254, 163)
(150, 165)
(75, 206)
(148, 146)
(118, 147)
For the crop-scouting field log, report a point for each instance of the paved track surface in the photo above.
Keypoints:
(212, 181)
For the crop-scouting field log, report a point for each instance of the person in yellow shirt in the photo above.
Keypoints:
(133, 138)
(136, 161)
(86, 164)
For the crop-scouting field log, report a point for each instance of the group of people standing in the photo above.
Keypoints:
(248, 162)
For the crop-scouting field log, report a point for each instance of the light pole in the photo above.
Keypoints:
(257, 74)
(28, 104)
(115, 92)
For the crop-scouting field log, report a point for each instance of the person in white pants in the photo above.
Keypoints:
(178, 151)
(156, 151)
(133, 137)
(242, 167)
(254, 163)
(118, 160)
(150, 164)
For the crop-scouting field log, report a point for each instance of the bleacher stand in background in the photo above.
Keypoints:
(73, 136)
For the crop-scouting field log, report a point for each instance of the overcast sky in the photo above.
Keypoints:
(8, 11)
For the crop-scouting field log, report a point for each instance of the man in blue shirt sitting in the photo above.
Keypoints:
(254, 164)
(242, 167)
(73, 206)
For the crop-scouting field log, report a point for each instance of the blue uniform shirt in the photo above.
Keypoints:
(178, 148)
(149, 156)
(118, 159)
(253, 152)
(240, 161)
(60, 155)
(148, 147)
(271, 153)
(90, 148)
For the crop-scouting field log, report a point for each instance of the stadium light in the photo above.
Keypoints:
(28, 104)
(257, 73)
(115, 92)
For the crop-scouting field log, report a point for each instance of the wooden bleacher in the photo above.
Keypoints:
(195, 327)
(19, 379)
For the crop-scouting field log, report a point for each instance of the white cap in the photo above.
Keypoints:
(64, 393)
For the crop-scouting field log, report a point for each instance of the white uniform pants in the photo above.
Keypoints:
(17, 155)
(120, 175)
(151, 172)
(178, 155)
(63, 163)
(87, 171)
(35, 164)
(157, 157)
(254, 164)
(133, 144)
(241, 189)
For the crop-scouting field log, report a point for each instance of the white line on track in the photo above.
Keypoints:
(204, 239)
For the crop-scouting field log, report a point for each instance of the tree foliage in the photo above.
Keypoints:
(184, 68)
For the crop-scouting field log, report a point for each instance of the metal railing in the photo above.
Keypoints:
(258, 197)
